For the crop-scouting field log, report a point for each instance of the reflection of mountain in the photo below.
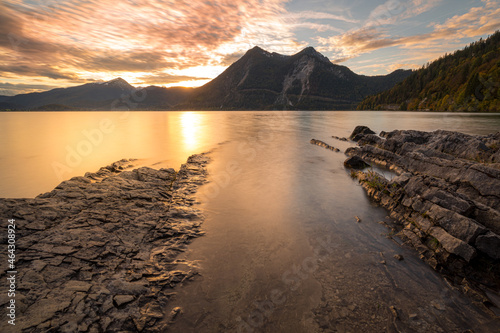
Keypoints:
(258, 81)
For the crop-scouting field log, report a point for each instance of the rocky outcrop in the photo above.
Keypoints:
(98, 253)
(446, 194)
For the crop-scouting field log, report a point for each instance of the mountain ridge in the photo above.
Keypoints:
(259, 80)
(307, 80)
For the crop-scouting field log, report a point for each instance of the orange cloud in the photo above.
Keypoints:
(86, 38)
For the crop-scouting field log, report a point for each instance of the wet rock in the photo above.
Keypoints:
(398, 257)
(446, 195)
(394, 311)
(359, 132)
(323, 144)
(92, 248)
(355, 162)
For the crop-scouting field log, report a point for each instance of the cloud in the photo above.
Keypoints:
(131, 36)
(318, 16)
(393, 11)
(167, 79)
(476, 22)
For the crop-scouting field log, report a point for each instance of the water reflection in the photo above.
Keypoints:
(191, 129)
(30, 143)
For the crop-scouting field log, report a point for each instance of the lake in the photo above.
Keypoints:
(282, 249)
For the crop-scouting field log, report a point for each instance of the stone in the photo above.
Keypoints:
(355, 162)
(120, 300)
(359, 132)
(452, 244)
(489, 244)
(74, 285)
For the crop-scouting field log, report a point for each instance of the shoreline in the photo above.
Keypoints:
(445, 199)
(98, 253)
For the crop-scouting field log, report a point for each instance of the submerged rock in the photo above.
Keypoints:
(323, 144)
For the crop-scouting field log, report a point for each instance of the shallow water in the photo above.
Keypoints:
(282, 249)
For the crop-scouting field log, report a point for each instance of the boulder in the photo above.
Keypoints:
(489, 244)
(359, 132)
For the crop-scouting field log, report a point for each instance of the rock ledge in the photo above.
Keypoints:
(98, 253)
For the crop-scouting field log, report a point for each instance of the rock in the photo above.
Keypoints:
(175, 312)
(355, 162)
(93, 245)
(452, 244)
(74, 285)
(489, 244)
(398, 257)
(323, 144)
(446, 194)
(359, 132)
(120, 300)
(394, 311)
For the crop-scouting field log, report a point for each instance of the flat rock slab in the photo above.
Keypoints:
(97, 253)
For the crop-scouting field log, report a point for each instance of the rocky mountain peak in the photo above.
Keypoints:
(120, 83)
(311, 51)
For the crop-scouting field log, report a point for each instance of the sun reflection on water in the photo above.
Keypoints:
(191, 130)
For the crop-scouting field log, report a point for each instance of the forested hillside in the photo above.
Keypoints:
(467, 80)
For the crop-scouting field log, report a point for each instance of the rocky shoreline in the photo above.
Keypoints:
(445, 197)
(98, 253)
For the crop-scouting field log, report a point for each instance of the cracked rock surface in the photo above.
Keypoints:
(98, 253)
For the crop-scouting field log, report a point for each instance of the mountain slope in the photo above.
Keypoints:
(307, 80)
(467, 80)
(89, 95)
(116, 94)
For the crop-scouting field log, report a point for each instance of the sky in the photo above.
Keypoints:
(60, 43)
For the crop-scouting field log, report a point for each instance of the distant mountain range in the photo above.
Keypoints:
(116, 94)
(467, 80)
(257, 81)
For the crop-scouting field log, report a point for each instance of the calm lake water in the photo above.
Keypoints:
(39, 150)
(282, 247)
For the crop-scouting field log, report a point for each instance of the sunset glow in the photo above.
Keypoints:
(50, 44)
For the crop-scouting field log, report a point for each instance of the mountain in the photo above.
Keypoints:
(307, 80)
(257, 81)
(467, 80)
(87, 96)
(111, 95)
